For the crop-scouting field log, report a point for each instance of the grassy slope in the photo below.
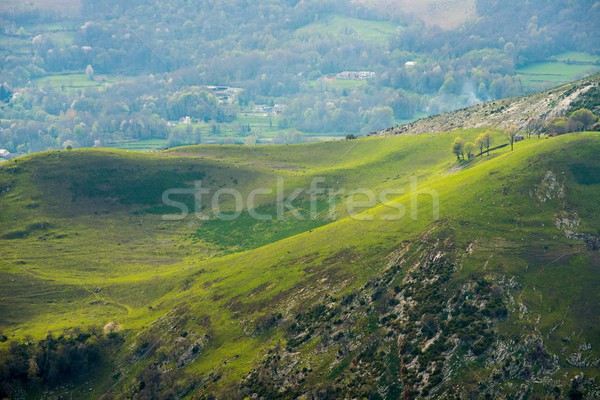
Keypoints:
(376, 32)
(447, 15)
(80, 214)
(548, 74)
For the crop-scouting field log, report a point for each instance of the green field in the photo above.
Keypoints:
(140, 145)
(264, 127)
(84, 243)
(377, 32)
(74, 82)
(61, 33)
(552, 73)
(576, 57)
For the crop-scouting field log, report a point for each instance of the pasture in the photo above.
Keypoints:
(552, 73)
(72, 82)
(377, 32)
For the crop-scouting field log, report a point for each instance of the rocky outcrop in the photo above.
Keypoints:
(503, 113)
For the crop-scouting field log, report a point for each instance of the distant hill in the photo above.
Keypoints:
(517, 111)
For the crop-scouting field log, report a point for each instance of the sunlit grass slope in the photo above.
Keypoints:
(83, 241)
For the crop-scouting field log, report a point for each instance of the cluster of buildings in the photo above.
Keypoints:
(275, 109)
(356, 75)
(225, 94)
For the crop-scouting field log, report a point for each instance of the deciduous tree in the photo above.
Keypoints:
(584, 117)
(458, 148)
(511, 133)
(470, 150)
(488, 140)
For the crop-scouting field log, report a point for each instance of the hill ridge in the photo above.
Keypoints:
(500, 289)
(502, 113)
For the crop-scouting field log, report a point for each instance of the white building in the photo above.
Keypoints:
(356, 75)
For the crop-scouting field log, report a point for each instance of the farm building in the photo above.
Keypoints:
(356, 75)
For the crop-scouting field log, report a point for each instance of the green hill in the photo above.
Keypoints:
(493, 293)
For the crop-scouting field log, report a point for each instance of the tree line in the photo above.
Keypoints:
(577, 121)
(53, 361)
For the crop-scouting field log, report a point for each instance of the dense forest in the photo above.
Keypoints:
(134, 66)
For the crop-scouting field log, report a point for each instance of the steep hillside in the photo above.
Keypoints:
(517, 111)
(481, 284)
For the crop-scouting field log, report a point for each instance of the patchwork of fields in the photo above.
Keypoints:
(559, 69)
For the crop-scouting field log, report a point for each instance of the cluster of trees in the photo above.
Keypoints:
(484, 141)
(169, 50)
(52, 361)
(578, 121)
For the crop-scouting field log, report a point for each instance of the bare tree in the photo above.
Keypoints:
(488, 140)
(480, 142)
(534, 126)
(511, 133)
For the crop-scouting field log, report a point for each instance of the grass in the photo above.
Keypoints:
(73, 81)
(578, 57)
(377, 32)
(263, 126)
(247, 233)
(551, 73)
(140, 145)
(432, 12)
(93, 252)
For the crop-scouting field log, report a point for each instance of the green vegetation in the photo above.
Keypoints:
(140, 145)
(246, 232)
(149, 249)
(577, 57)
(211, 299)
(377, 32)
(54, 361)
(551, 73)
(73, 82)
(68, 82)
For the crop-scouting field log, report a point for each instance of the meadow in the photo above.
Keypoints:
(89, 246)
(578, 57)
(375, 32)
(74, 82)
(139, 145)
(562, 68)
